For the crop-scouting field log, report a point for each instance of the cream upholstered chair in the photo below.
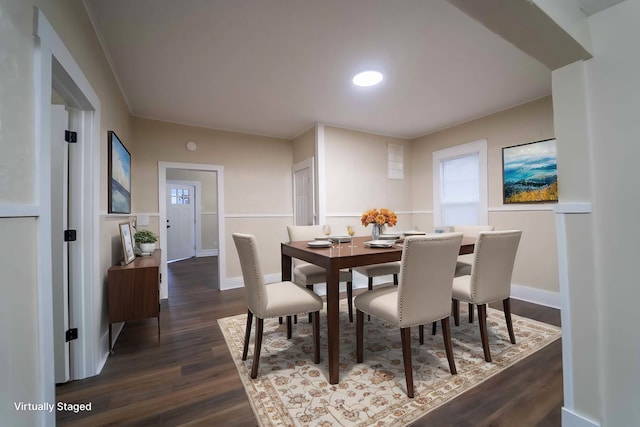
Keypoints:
(273, 300)
(423, 295)
(306, 274)
(464, 261)
(376, 270)
(463, 267)
(490, 279)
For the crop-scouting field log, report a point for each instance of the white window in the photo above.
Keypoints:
(180, 196)
(460, 185)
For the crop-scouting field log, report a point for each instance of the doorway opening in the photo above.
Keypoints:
(191, 204)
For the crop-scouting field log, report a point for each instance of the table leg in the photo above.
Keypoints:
(333, 323)
(286, 267)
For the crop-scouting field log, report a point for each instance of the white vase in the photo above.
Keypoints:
(376, 231)
(147, 248)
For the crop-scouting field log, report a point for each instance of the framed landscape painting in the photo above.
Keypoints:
(119, 176)
(530, 173)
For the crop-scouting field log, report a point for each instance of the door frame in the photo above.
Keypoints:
(197, 210)
(162, 205)
(54, 66)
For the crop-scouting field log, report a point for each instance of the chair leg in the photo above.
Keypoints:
(370, 287)
(359, 335)
(395, 279)
(257, 346)
(482, 318)
(316, 337)
(247, 335)
(446, 334)
(434, 325)
(288, 327)
(405, 335)
(310, 287)
(280, 320)
(506, 305)
(470, 312)
(350, 300)
(455, 307)
(421, 334)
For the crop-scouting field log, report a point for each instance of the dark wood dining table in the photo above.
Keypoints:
(333, 260)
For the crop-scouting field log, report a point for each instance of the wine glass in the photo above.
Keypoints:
(326, 229)
(351, 231)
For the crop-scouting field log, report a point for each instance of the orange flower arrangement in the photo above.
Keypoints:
(381, 217)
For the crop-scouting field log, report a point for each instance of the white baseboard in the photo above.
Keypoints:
(238, 281)
(536, 296)
(207, 252)
(524, 293)
(571, 419)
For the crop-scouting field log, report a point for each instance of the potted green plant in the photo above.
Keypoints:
(146, 240)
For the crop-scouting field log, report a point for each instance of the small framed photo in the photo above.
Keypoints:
(127, 242)
(530, 173)
(119, 167)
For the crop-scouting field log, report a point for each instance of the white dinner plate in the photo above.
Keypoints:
(319, 244)
(340, 239)
(380, 243)
(414, 233)
(389, 236)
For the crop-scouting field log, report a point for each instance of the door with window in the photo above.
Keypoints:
(460, 185)
(181, 221)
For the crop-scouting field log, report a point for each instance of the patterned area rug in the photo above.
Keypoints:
(293, 391)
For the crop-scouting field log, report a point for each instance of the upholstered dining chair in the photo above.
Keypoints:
(490, 279)
(306, 274)
(463, 267)
(376, 270)
(464, 261)
(272, 300)
(423, 295)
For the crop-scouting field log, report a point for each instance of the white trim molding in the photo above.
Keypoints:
(260, 215)
(562, 211)
(9, 210)
(54, 66)
(571, 419)
(523, 208)
(537, 296)
(162, 180)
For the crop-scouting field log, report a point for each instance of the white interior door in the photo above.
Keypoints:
(59, 248)
(181, 242)
(303, 193)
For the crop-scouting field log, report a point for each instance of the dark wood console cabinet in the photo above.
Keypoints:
(134, 291)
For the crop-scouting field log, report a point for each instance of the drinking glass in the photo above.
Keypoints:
(326, 230)
(351, 231)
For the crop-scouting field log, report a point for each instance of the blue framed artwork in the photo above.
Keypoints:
(119, 165)
(530, 173)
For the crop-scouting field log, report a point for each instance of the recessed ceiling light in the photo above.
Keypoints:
(367, 78)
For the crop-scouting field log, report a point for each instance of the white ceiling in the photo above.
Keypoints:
(275, 67)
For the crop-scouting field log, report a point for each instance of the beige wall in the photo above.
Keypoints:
(304, 146)
(519, 125)
(356, 178)
(22, 377)
(257, 179)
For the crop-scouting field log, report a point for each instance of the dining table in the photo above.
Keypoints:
(344, 255)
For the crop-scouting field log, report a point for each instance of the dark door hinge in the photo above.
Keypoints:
(70, 136)
(69, 235)
(71, 334)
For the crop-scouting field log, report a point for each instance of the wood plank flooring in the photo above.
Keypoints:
(190, 379)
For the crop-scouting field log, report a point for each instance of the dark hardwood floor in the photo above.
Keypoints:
(189, 377)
